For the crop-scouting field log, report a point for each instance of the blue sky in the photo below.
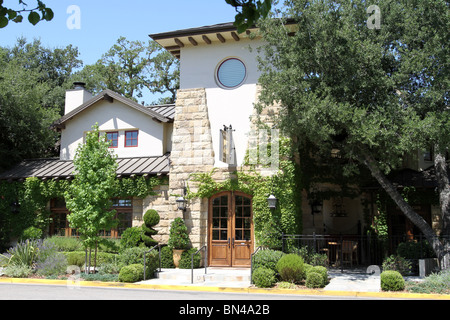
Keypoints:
(104, 21)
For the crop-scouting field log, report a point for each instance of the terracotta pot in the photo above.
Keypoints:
(177, 256)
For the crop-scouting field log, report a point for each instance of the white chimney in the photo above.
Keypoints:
(76, 97)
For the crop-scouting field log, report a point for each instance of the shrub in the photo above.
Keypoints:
(309, 256)
(66, 244)
(435, 283)
(131, 273)
(133, 256)
(167, 257)
(314, 280)
(17, 271)
(31, 233)
(151, 219)
(267, 259)
(397, 263)
(291, 268)
(263, 277)
(415, 250)
(392, 281)
(24, 253)
(77, 258)
(320, 270)
(53, 265)
(131, 237)
(186, 256)
(178, 237)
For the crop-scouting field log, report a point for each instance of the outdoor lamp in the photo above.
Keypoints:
(272, 201)
(181, 201)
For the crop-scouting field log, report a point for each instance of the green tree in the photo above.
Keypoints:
(249, 12)
(33, 80)
(374, 94)
(130, 67)
(38, 13)
(89, 195)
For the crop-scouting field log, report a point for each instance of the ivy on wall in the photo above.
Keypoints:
(33, 196)
(268, 225)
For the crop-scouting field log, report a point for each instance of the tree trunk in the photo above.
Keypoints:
(444, 200)
(415, 218)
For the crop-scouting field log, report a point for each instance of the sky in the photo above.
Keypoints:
(102, 22)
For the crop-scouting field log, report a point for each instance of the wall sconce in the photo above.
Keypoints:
(316, 207)
(181, 201)
(272, 201)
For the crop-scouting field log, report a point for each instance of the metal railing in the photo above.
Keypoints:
(145, 258)
(205, 262)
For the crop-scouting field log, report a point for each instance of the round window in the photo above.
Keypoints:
(231, 73)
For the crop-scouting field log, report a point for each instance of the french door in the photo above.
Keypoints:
(230, 229)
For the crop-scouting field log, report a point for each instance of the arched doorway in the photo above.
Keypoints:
(230, 229)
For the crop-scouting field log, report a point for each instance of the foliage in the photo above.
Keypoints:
(131, 66)
(167, 257)
(31, 233)
(131, 273)
(263, 277)
(312, 281)
(24, 253)
(54, 264)
(131, 237)
(309, 256)
(16, 15)
(178, 235)
(186, 256)
(267, 259)
(89, 195)
(151, 219)
(397, 263)
(435, 283)
(65, 244)
(78, 258)
(375, 95)
(291, 268)
(268, 224)
(392, 281)
(18, 271)
(415, 250)
(249, 13)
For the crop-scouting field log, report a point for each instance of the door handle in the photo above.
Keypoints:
(228, 243)
(232, 241)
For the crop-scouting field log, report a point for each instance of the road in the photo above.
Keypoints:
(60, 292)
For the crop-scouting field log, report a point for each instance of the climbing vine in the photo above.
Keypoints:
(33, 195)
(284, 185)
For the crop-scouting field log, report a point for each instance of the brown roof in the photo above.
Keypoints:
(63, 169)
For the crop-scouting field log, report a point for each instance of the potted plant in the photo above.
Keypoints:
(178, 239)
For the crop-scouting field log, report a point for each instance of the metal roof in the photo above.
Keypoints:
(166, 110)
(55, 168)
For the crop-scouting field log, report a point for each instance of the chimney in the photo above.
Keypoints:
(76, 97)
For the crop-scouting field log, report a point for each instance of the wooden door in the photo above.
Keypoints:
(230, 229)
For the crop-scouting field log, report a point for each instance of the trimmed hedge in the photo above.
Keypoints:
(291, 268)
(392, 281)
(264, 277)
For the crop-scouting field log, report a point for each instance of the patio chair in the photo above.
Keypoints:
(349, 252)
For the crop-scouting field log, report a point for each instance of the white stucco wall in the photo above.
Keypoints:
(225, 106)
(115, 116)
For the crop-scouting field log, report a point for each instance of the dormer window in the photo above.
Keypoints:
(231, 73)
(131, 138)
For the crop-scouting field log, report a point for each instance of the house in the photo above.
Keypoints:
(210, 127)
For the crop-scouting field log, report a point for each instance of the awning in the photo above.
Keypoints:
(55, 168)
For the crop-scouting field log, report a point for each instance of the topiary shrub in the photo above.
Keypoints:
(167, 257)
(178, 235)
(263, 277)
(314, 279)
(392, 281)
(291, 268)
(151, 219)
